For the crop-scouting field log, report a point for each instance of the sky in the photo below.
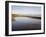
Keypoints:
(28, 10)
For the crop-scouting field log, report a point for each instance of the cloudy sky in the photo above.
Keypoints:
(27, 10)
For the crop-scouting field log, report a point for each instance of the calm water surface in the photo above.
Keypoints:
(25, 23)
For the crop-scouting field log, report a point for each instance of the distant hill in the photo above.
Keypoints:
(20, 15)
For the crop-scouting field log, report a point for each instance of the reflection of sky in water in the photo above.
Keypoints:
(21, 22)
(25, 19)
(26, 10)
